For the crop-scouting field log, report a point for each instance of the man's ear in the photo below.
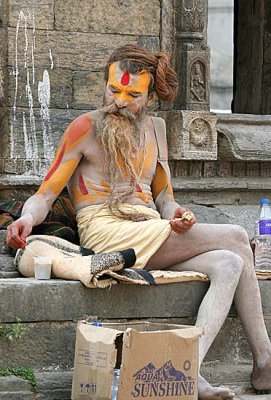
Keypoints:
(152, 98)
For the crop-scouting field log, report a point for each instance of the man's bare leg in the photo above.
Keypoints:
(221, 266)
(204, 238)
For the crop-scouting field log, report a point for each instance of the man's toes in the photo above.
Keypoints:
(263, 391)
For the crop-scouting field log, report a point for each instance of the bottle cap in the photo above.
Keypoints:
(264, 201)
(96, 323)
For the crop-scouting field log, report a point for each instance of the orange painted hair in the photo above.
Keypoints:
(134, 59)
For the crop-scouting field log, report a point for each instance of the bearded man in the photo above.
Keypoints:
(118, 179)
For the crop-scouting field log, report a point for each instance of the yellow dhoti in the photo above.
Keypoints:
(103, 232)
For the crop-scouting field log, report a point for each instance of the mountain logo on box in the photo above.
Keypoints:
(166, 381)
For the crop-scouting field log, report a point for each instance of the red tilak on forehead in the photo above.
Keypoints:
(125, 79)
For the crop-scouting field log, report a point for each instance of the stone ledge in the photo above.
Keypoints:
(8, 181)
(51, 386)
(216, 184)
(49, 345)
(247, 136)
(32, 300)
(69, 300)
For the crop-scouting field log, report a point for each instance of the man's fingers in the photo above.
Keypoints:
(14, 244)
(13, 238)
(180, 226)
(178, 229)
(179, 212)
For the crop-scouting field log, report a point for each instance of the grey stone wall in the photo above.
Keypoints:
(52, 58)
(52, 54)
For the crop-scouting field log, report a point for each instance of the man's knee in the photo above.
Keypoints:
(232, 264)
(238, 234)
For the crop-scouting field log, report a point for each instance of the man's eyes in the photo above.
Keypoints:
(114, 90)
(132, 94)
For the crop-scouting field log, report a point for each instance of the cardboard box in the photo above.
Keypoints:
(156, 361)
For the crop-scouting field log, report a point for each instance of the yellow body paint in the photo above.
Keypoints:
(137, 82)
(160, 182)
(60, 177)
(90, 198)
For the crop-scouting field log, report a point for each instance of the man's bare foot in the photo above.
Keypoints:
(208, 392)
(261, 377)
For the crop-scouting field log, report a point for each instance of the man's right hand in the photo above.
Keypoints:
(18, 231)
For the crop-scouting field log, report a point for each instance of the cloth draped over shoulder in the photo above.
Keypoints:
(161, 185)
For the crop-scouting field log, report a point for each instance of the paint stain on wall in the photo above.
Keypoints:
(26, 122)
(44, 100)
(1, 85)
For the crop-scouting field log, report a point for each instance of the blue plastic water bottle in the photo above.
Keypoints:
(115, 384)
(263, 237)
(265, 218)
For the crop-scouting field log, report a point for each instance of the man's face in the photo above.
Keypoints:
(127, 90)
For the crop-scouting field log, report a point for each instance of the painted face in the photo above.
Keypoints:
(126, 89)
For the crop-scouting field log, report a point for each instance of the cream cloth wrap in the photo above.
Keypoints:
(103, 232)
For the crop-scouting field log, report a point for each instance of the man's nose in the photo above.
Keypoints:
(121, 101)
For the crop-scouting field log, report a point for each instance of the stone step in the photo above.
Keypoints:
(50, 386)
(50, 310)
(58, 300)
(7, 269)
(50, 345)
(57, 385)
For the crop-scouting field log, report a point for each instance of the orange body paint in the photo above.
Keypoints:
(62, 169)
(76, 131)
(56, 163)
(90, 198)
(60, 177)
(160, 182)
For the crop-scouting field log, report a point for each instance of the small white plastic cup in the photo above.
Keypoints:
(42, 267)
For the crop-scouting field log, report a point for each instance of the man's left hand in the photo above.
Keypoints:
(183, 220)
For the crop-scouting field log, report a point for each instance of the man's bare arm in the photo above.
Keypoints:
(165, 202)
(67, 158)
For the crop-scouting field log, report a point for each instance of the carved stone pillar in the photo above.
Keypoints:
(193, 68)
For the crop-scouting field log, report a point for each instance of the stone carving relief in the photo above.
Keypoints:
(200, 135)
(198, 82)
(193, 15)
(192, 135)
